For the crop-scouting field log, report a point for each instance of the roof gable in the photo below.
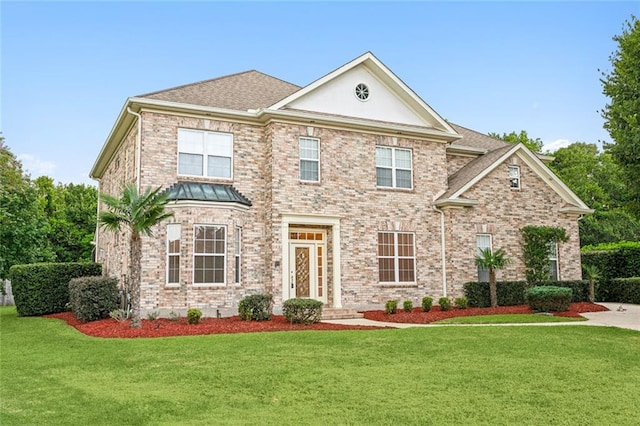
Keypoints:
(390, 99)
(477, 169)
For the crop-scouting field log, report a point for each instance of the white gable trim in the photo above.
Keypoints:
(540, 169)
(384, 74)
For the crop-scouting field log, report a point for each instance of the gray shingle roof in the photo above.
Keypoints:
(476, 139)
(241, 92)
(201, 191)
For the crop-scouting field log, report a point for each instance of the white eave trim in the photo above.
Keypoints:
(576, 210)
(455, 202)
(466, 150)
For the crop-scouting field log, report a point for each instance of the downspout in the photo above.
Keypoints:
(442, 252)
(138, 146)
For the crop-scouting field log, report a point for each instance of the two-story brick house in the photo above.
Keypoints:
(350, 190)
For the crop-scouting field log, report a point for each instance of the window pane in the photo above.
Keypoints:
(309, 149)
(405, 245)
(403, 178)
(385, 244)
(406, 270)
(219, 167)
(483, 275)
(383, 157)
(219, 144)
(309, 170)
(386, 270)
(190, 141)
(190, 164)
(384, 177)
(403, 158)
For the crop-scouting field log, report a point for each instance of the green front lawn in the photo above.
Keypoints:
(507, 319)
(52, 374)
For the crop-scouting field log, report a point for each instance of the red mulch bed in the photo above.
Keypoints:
(164, 327)
(419, 317)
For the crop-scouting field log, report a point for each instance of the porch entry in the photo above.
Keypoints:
(308, 263)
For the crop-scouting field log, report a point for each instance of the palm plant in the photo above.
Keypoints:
(591, 274)
(492, 261)
(138, 212)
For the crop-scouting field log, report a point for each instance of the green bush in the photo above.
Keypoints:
(619, 290)
(118, 314)
(614, 260)
(302, 311)
(43, 288)
(580, 289)
(193, 315)
(461, 302)
(257, 307)
(427, 303)
(510, 293)
(93, 298)
(549, 298)
(444, 303)
(391, 307)
(407, 306)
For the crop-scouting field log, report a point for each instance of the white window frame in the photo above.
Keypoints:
(482, 272)
(237, 277)
(308, 159)
(396, 257)
(514, 178)
(205, 144)
(223, 255)
(553, 257)
(172, 230)
(394, 167)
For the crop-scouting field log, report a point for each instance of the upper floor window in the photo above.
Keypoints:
(393, 167)
(209, 254)
(483, 241)
(514, 177)
(203, 153)
(396, 257)
(309, 159)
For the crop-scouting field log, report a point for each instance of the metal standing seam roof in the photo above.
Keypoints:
(201, 191)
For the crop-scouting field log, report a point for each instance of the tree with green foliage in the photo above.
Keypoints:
(534, 145)
(22, 236)
(536, 249)
(622, 113)
(492, 261)
(139, 213)
(591, 274)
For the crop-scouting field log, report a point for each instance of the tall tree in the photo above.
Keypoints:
(22, 236)
(138, 212)
(534, 145)
(492, 261)
(622, 113)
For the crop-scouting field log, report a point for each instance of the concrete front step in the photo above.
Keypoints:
(335, 313)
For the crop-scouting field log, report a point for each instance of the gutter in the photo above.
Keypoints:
(138, 146)
(443, 252)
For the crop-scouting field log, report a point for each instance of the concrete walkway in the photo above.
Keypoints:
(621, 315)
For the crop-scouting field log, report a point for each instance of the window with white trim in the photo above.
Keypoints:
(309, 151)
(238, 254)
(483, 241)
(203, 153)
(396, 257)
(514, 177)
(393, 167)
(209, 254)
(553, 261)
(173, 253)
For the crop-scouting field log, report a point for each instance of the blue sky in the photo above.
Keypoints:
(67, 68)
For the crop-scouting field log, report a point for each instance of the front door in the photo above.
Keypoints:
(302, 263)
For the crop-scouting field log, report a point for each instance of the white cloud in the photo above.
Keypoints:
(556, 145)
(35, 166)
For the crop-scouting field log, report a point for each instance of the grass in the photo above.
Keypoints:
(53, 375)
(507, 319)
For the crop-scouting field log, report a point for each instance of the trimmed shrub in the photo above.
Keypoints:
(444, 303)
(407, 306)
(93, 298)
(461, 302)
(43, 288)
(193, 315)
(549, 298)
(427, 303)
(614, 260)
(257, 307)
(510, 293)
(302, 311)
(620, 290)
(391, 307)
(580, 289)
